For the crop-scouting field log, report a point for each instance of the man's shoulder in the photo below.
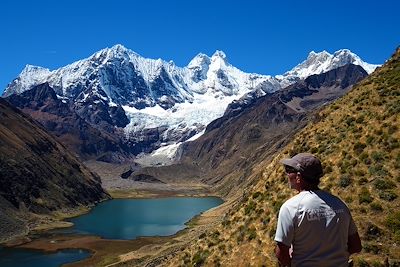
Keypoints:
(328, 197)
(318, 195)
(293, 201)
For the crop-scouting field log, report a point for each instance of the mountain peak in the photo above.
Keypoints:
(346, 53)
(199, 60)
(29, 75)
(219, 54)
(116, 51)
(32, 68)
(219, 60)
(343, 51)
(319, 56)
(319, 62)
(119, 47)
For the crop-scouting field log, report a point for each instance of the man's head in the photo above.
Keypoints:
(307, 165)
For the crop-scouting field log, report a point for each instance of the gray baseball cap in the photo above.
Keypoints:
(307, 164)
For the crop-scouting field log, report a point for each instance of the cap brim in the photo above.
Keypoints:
(289, 162)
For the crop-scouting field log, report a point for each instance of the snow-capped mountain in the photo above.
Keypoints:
(129, 79)
(174, 103)
(317, 63)
(29, 77)
(155, 94)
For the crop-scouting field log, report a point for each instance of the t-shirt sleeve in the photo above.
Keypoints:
(285, 227)
(352, 227)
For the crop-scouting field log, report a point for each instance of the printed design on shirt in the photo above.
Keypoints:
(318, 214)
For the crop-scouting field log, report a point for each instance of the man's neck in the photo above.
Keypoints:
(308, 188)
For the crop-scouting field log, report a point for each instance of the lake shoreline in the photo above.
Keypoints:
(98, 247)
(58, 219)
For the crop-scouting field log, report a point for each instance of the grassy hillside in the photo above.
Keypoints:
(358, 140)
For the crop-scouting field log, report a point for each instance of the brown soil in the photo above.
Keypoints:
(104, 251)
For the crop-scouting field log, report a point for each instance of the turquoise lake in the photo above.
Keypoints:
(117, 219)
(130, 218)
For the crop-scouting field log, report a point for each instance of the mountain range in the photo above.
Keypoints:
(145, 104)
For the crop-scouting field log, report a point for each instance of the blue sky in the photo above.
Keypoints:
(266, 37)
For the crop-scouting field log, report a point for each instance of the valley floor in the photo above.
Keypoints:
(118, 187)
(145, 251)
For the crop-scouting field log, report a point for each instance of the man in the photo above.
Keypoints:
(314, 227)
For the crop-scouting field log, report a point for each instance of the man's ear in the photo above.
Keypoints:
(298, 177)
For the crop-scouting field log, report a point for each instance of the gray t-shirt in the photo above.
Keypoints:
(317, 225)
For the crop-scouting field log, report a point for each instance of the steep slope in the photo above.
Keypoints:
(358, 141)
(83, 138)
(251, 131)
(37, 174)
(156, 101)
